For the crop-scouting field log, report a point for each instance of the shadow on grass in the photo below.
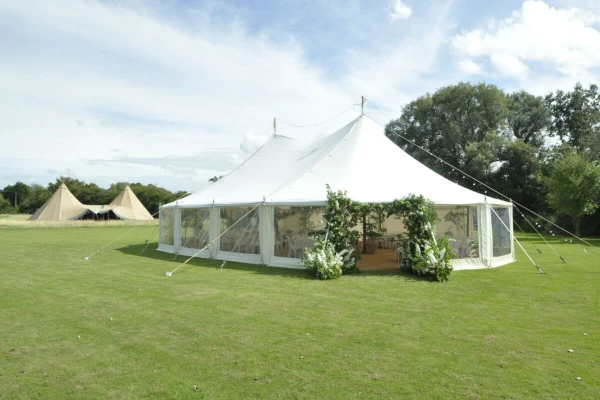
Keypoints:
(151, 253)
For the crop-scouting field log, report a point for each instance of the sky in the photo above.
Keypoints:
(174, 92)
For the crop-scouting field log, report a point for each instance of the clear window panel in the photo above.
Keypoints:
(459, 224)
(243, 236)
(501, 239)
(195, 227)
(293, 226)
(166, 229)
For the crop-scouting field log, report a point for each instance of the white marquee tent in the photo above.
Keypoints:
(277, 196)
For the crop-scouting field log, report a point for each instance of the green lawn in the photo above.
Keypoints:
(116, 327)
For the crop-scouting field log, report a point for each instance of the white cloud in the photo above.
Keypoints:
(561, 40)
(509, 65)
(78, 82)
(399, 10)
(83, 79)
(252, 142)
(470, 67)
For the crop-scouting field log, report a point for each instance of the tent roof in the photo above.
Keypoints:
(127, 206)
(358, 158)
(62, 205)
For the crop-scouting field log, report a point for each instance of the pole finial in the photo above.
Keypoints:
(275, 126)
(363, 100)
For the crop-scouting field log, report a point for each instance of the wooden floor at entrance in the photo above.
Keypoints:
(381, 261)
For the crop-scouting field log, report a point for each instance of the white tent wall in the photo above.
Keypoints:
(166, 230)
(177, 228)
(215, 229)
(483, 253)
(267, 233)
(503, 250)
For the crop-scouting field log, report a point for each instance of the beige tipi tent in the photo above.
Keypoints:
(62, 205)
(127, 206)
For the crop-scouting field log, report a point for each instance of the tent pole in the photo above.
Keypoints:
(363, 100)
(275, 126)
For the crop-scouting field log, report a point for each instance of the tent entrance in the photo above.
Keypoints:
(382, 260)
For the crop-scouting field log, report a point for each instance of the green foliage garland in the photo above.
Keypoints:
(334, 252)
(422, 253)
(341, 218)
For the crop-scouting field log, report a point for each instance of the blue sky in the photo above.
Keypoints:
(174, 92)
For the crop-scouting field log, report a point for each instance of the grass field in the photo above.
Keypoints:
(8, 221)
(116, 327)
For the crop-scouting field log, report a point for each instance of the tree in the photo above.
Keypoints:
(38, 195)
(448, 121)
(5, 206)
(494, 137)
(574, 186)
(576, 118)
(152, 196)
(87, 193)
(519, 173)
(215, 178)
(527, 117)
(16, 193)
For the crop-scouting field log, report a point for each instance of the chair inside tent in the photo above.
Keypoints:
(263, 211)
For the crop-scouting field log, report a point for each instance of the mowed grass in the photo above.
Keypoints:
(116, 327)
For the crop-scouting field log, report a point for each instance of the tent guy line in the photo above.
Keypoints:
(131, 230)
(212, 242)
(239, 240)
(521, 229)
(320, 123)
(543, 238)
(519, 243)
(204, 215)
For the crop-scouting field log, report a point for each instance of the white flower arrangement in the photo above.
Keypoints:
(324, 261)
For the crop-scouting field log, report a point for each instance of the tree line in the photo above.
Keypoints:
(23, 198)
(540, 151)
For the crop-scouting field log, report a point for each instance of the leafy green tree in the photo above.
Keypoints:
(494, 137)
(481, 157)
(152, 196)
(73, 184)
(574, 186)
(527, 117)
(5, 206)
(87, 193)
(38, 195)
(519, 173)
(16, 193)
(576, 118)
(448, 121)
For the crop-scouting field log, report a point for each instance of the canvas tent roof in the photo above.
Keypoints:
(358, 158)
(127, 206)
(62, 205)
